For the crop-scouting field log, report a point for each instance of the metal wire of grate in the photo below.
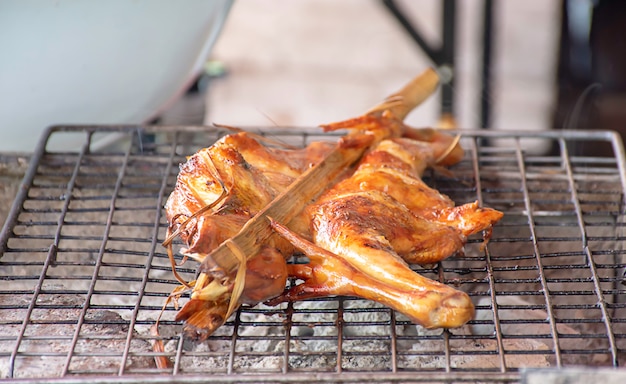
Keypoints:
(85, 277)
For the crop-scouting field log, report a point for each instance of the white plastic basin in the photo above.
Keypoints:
(97, 62)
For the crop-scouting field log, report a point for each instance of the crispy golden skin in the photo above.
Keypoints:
(252, 174)
(242, 176)
(386, 202)
(385, 279)
(266, 276)
(360, 234)
(368, 226)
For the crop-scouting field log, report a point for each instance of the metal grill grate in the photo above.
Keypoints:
(84, 274)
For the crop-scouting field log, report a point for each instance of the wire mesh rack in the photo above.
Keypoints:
(84, 275)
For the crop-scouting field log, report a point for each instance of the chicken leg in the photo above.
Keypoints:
(385, 279)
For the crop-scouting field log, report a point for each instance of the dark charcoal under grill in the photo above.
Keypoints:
(84, 275)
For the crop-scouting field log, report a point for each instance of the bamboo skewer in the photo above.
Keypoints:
(410, 96)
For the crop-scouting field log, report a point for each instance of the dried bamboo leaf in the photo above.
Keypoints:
(240, 279)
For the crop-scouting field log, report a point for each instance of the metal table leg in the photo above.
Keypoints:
(444, 56)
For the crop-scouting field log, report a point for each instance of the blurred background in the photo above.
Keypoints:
(324, 60)
(515, 64)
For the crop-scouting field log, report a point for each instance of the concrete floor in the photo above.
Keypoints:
(306, 62)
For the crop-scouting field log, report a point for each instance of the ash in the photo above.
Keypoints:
(365, 344)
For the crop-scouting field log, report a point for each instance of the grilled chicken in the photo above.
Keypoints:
(360, 235)
(236, 177)
(367, 227)
(385, 279)
(422, 225)
(218, 190)
(266, 275)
